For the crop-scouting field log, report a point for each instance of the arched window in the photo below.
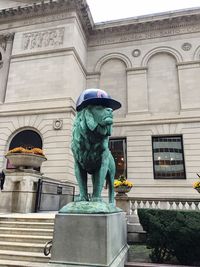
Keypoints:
(26, 139)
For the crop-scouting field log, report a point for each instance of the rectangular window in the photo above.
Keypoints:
(118, 150)
(168, 157)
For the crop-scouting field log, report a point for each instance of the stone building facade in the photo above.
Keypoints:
(52, 50)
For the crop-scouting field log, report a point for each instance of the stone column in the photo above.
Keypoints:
(6, 44)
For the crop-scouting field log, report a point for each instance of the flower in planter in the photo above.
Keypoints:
(25, 157)
(121, 181)
(28, 150)
(196, 185)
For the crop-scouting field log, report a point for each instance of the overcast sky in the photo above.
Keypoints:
(104, 10)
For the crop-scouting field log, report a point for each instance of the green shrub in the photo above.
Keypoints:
(172, 233)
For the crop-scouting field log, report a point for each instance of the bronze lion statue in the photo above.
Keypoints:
(91, 131)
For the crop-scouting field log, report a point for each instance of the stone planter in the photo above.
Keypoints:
(122, 190)
(25, 160)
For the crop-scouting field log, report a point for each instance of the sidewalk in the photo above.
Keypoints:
(145, 264)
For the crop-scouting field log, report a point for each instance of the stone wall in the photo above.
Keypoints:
(160, 72)
(56, 142)
(140, 158)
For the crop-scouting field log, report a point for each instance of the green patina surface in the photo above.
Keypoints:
(89, 207)
(91, 131)
(90, 138)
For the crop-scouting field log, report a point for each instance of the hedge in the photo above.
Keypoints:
(172, 233)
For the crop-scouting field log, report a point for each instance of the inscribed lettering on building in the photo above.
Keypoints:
(43, 39)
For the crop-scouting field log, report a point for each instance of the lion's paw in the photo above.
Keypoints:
(81, 198)
(96, 199)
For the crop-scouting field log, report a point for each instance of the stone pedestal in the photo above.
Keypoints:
(123, 203)
(19, 193)
(86, 240)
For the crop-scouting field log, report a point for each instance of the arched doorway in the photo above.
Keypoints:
(26, 139)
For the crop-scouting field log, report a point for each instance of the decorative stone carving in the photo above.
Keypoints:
(42, 39)
(136, 53)
(186, 46)
(4, 39)
(57, 124)
(52, 7)
(145, 30)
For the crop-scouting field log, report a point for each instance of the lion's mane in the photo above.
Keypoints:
(89, 145)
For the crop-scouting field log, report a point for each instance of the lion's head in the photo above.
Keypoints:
(99, 119)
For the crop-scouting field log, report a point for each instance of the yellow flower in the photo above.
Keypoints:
(121, 181)
(20, 149)
(196, 185)
(117, 183)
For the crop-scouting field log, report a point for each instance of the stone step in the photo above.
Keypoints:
(23, 256)
(14, 263)
(25, 238)
(18, 246)
(32, 217)
(133, 218)
(26, 231)
(134, 228)
(136, 238)
(30, 224)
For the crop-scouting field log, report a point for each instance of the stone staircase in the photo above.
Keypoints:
(135, 232)
(23, 237)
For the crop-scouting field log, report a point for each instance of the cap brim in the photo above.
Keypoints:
(106, 102)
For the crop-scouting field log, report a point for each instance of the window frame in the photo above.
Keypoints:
(183, 156)
(125, 140)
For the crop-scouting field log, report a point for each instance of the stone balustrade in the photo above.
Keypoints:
(131, 204)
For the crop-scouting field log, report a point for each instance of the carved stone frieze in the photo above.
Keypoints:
(144, 31)
(42, 39)
(140, 28)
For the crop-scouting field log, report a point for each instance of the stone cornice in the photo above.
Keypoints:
(45, 8)
(146, 27)
(136, 28)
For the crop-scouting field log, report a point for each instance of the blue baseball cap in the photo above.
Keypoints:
(96, 97)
